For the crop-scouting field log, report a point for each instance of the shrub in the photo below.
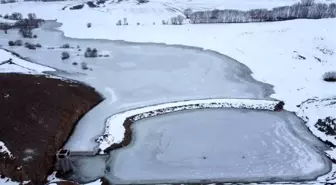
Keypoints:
(329, 76)
(94, 52)
(89, 25)
(164, 22)
(74, 63)
(173, 20)
(106, 55)
(87, 52)
(26, 32)
(119, 23)
(18, 42)
(35, 36)
(30, 46)
(142, 1)
(65, 55)
(77, 7)
(180, 19)
(125, 21)
(187, 12)
(138, 23)
(11, 43)
(6, 16)
(65, 46)
(16, 16)
(84, 66)
(38, 45)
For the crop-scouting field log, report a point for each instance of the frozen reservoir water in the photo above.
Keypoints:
(231, 145)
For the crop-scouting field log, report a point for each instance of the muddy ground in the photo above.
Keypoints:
(37, 115)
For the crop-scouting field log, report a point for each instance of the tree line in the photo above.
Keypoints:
(304, 10)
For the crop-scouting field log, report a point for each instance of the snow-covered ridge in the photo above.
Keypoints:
(115, 130)
(10, 63)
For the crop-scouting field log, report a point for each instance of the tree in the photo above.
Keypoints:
(94, 52)
(26, 32)
(87, 52)
(173, 20)
(16, 16)
(125, 21)
(18, 42)
(307, 2)
(187, 12)
(180, 19)
(65, 55)
(84, 66)
(118, 23)
(31, 16)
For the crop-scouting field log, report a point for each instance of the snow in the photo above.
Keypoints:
(20, 65)
(2, 20)
(5, 150)
(268, 145)
(114, 129)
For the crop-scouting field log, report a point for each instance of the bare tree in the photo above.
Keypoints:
(307, 2)
(180, 19)
(26, 32)
(187, 12)
(173, 20)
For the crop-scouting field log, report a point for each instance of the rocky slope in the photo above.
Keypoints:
(37, 115)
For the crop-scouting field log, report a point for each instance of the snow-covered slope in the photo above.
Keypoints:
(10, 63)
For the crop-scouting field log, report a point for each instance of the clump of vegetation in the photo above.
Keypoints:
(91, 53)
(138, 23)
(164, 22)
(38, 45)
(65, 46)
(329, 76)
(187, 12)
(65, 55)
(18, 43)
(30, 46)
(26, 32)
(89, 25)
(11, 43)
(119, 23)
(77, 7)
(74, 63)
(34, 36)
(125, 22)
(84, 66)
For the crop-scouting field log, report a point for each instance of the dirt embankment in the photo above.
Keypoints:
(37, 115)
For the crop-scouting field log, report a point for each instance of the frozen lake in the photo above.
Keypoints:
(136, 75)
(219, 145)
(230, 145)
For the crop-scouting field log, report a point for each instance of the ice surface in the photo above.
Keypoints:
(136, 75)
(225, 145)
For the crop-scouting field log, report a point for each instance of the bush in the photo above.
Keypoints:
(125, 22)
(119, 23)
(180, 19)
(18, 42)
(11, 43)
(30, 46)
(38, 45)
(329, 76)
(65, 46)
(187, 12)
(164, 22)
(94, 52)
(26, 32)
(74, 63)
(65, 55)
(142, 1)
(89, 25)
(87, 52)
(84, 66)
(35, 36)
(138, 23)
(77, 7)
(16, 16)
(173, 20)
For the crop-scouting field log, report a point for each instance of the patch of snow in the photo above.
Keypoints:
(20, 65)
(114, 129)
(9, 21)
(5, 150)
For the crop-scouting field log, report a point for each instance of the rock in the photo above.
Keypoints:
(37, 117)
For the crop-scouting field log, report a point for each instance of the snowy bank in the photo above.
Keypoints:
(10, 63)
(115, 125)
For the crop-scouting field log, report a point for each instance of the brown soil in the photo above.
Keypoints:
(37, 115)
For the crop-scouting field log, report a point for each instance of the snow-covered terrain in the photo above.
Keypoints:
(291, 55)
(10, 63)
